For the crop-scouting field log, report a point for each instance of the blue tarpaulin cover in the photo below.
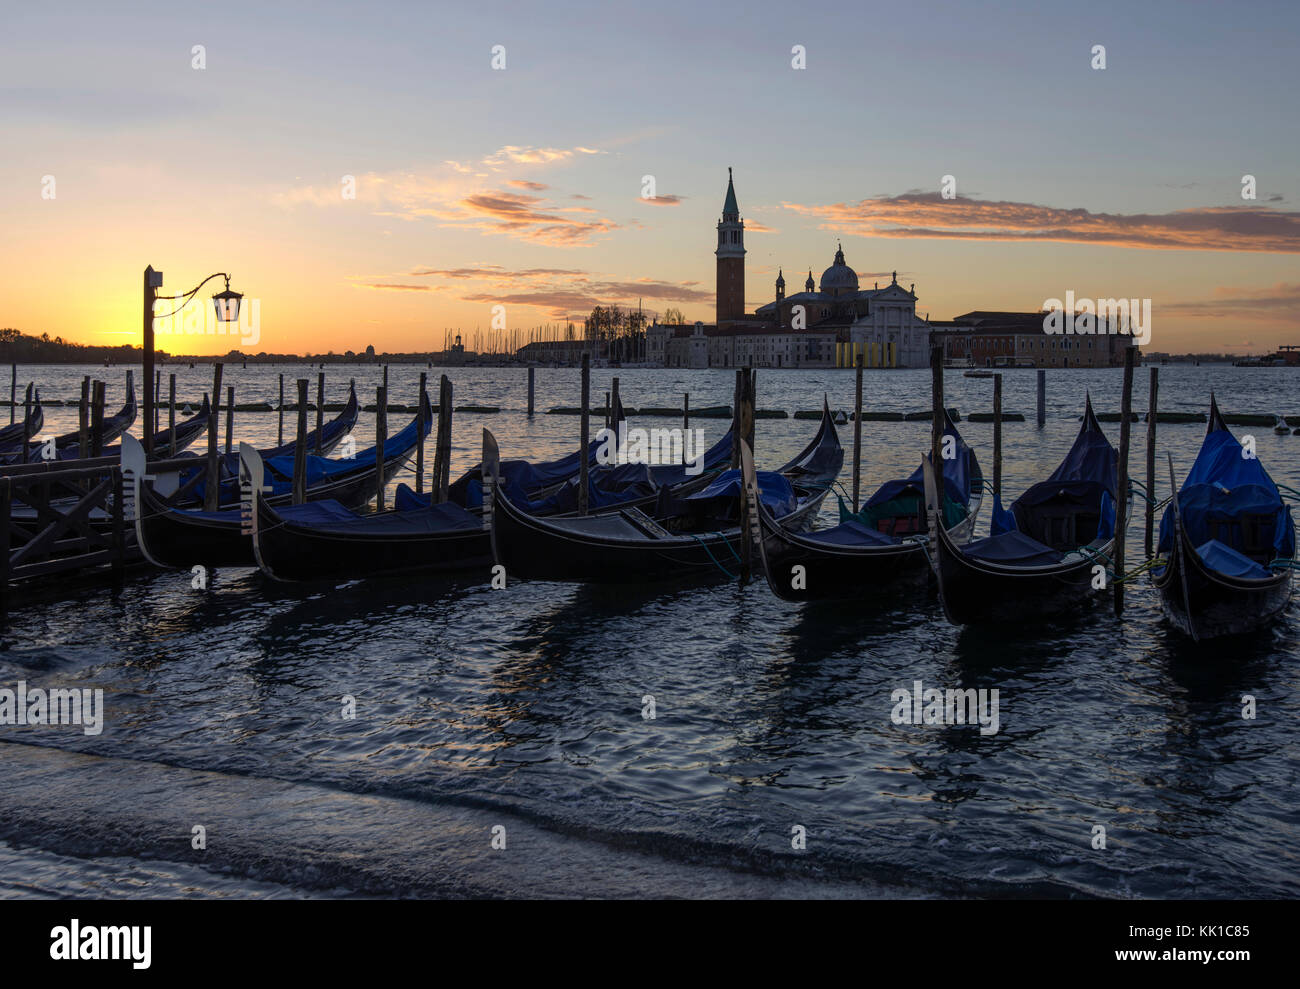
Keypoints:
(851, 533)
(956, 477)
(278, 471)
(773, 489)
(1221, 489)
(1012, 548)
(1087, 477)
(610, 485)
(1226, 560)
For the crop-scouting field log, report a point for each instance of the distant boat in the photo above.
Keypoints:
(978, 372)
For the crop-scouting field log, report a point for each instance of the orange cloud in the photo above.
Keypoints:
(1268, 303)
(560, 292)
(928, 214)
(454, 194)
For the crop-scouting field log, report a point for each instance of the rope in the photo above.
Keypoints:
(1139, 570)
(729, 574)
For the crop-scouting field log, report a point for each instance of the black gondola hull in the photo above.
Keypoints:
(544, 549)
(290, 552)
(800, 570)
(179, 538)
(976, 592)
(1205, 604)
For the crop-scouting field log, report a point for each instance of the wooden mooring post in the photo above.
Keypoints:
(530, 391)
(13, 392)
(419, 449)
(737, 427)
(857, 434)
(97, 420)
(583, 433)
(1042, 398)
(444, 441)
(320, 413)
(1152, 405)
(381, 439)
(27, 425)
(83, 420)
(1121, 490)
(686, 410)
(997, 436)
(212, 487)
(230, 418)
(300, 447)
(936, 419)
(171, 415)
(747, 398)
(279, 436)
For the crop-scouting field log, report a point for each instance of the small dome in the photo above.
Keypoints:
(839, 278)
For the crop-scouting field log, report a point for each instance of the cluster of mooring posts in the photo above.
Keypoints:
(69, 515)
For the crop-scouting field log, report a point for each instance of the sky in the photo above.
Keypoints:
(589, 167)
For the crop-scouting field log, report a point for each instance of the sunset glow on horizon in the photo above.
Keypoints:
(525, 186)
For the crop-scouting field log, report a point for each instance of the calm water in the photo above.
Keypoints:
(523, 708)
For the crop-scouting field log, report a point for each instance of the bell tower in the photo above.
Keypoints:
(731, 259)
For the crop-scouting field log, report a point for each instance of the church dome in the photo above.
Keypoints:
(839, 278)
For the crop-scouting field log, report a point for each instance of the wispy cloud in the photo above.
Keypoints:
(1271, 302)
(559, 293)
(468, 195)
(662, 200)
(928, 214)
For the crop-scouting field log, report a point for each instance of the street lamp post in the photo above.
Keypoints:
(152, 282)
(226, 304)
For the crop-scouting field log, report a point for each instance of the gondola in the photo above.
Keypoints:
(11, 436)
(187, 431)
(530, 481)
(1227, 542)
(322, 540)
(113, 426)
(185, 486)
(698, 534)
(420, 536)
(877, 549)
(1045, 552)
(176, 537)
(331, 434)
(191, 482)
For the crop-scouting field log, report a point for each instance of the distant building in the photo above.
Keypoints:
(563, 352)
(739, 344)
(825, 325)
(1017, 339)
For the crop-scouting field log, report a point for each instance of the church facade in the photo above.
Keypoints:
(829, 324)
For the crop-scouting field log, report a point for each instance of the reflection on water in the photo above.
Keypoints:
(526, 705)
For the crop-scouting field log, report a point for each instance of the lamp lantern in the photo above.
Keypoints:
(226, 304)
